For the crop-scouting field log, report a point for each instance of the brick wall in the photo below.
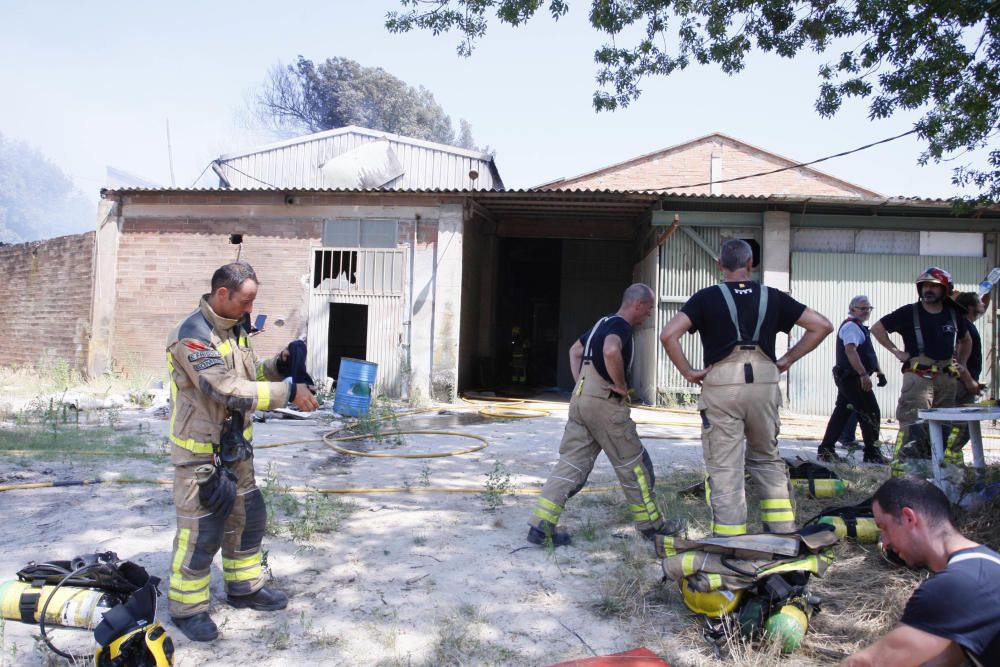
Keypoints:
(692, 163)
(46, 289)
(165, 265)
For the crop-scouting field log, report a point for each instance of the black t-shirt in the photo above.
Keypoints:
(614, 324)
(975, 364)
(937, 329)
(709, 315)
(962, 603)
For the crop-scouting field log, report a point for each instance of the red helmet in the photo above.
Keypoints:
(938, 277)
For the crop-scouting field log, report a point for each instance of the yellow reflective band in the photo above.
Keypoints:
(546, 516)
(192, 445)
(668, 546)
(189, 598)
(809, 564)
(237, 563)
(243, 341)
(263, 395)
(774, 516)
(714, 581)
(687, 563)
(248, 432)
(723, 529)
(242, 575)
(178, 582)
(224, 348)
(776, 504)
(183, 535)
(260, 373)
(549, 505)
(641, 516)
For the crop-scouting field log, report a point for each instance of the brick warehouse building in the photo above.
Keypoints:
(429, 280)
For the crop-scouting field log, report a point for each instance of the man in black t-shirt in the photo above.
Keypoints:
(973, 306)
(935, 336)
(738, 322)
(955, 614)
(601, 361)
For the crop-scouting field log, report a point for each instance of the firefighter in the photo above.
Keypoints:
(935, 335)
(216, 383)
(738, 321)
(599, 420)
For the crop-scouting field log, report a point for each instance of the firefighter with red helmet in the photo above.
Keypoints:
(935, 335)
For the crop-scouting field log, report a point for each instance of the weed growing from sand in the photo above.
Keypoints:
(499, 482)
(460, 641)
(318, 513)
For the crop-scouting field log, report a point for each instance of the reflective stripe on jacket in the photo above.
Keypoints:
(214, 371)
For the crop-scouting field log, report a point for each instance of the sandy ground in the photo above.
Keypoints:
(421, 578)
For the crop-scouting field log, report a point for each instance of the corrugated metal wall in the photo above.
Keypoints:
(297, 165)
(686, 267)
(826, 282)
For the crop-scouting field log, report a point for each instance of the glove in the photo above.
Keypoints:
(881, 379)
(218, 490)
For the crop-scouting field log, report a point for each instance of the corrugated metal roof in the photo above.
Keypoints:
(297, 162)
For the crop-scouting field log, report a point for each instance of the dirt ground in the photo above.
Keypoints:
(423, 576)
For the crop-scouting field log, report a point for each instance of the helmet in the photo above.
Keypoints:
(712, 604)
(148, 646)
(938, 277)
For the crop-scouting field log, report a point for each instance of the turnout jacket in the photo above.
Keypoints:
(213, 372)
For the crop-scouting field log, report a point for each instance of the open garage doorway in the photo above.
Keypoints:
(348, 335)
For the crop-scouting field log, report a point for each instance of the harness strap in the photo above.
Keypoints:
(920, 336)
(587, 354)
(731, 305)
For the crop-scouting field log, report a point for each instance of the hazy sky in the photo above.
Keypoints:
(92, 84)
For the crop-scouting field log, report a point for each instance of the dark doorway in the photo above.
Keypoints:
(348, 336)
(527, 334)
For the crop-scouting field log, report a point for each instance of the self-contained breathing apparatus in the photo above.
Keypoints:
(116, 596)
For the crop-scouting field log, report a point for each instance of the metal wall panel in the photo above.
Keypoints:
(686, 267)
(297, 165)
(826, 282)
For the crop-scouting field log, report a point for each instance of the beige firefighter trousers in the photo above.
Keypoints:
(740, 398)
(599, 422)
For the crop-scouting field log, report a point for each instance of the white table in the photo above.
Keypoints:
(936, 418)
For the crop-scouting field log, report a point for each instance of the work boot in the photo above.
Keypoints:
(828, 454)
(669, 527)
(197, 628)
(266, 599)
(873, 455)
(560, 538)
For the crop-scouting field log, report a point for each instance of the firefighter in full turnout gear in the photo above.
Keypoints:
(738, 321)
(599, 420)
(935, 335)
(216, 384)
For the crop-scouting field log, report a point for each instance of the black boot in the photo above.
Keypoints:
(874, 455)
(197, 628)
(670, 528)
(266, 599)
(559, 538)
(828, 454)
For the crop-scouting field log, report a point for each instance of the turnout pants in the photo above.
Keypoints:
(599, 422)
(740, 399)
(920, 393)
(851, 398)
(200, 534)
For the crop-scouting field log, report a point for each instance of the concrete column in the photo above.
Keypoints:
(102, 314)
(776, 260)
(447, 304)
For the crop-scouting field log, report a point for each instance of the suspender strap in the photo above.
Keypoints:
(731, 305)
(920, 337)
(587, 354)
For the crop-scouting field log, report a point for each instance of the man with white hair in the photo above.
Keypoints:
(856, 362)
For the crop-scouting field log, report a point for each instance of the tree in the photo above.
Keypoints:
(38, 200)
(939, 57)
(305, 97)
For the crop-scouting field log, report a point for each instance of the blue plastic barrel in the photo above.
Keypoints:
(354, 387)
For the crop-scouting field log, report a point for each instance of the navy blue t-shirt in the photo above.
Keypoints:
(614, 324)
(709, 315)
(975, 364)
(938, 330)
(962, 603)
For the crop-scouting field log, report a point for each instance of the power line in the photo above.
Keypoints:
(252, 178)
(793, 166)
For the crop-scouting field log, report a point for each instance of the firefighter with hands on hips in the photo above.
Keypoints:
(935, 336)
(738, 321)
(599, 421)
(856, 362)
(216, 384)
(953, 617)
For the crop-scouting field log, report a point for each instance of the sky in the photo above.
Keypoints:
(94, 84)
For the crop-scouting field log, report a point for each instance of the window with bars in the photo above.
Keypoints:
(358, 271)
